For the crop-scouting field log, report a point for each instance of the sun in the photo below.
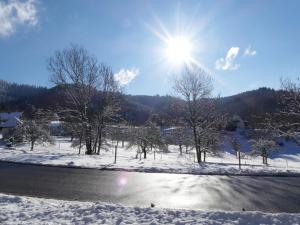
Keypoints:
(178, 50)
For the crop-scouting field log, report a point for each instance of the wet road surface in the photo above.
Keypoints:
(204, 192)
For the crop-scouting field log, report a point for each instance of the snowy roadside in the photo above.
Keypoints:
(62, 154)
(27, 210)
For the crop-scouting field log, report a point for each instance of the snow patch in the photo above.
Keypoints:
(28, 210)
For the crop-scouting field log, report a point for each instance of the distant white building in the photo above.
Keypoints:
(55, 128)
(8, 121)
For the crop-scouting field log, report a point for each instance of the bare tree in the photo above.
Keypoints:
(34, 127)
(236, 145)
(210, 124)
(180, 136)
(107, 104)
(286, 120)
(209, 143)
(195, 87)
(188, 142)
(91, 93)
(263, 147)
(146, 138)
(117, 133)
(77, 134)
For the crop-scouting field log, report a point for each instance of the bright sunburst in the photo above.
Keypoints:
(178, 50)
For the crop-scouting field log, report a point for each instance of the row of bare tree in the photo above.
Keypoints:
(91, 101)
(93, 96)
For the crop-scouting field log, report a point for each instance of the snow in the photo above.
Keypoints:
(55, 123)
(28, 210)
(62, 154)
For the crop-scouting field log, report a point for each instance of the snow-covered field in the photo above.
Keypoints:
(27, 210)
(64, 155)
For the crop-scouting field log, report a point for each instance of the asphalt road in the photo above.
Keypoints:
(204, 192)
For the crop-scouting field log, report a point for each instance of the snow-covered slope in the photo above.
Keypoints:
(33, 211)
(64, 155)
(286, 149)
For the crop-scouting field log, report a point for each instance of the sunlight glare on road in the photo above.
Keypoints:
(122, 181)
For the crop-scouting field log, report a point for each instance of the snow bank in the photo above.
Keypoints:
(62, 154)
(26, 210)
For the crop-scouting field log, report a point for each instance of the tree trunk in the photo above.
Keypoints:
(31, 146)
(95, 144)
(200, 152)
(264, 154)
(100, 128)
(99, 142)
(145, 153)
(80, 143)
(116, 148)
(180, 149)
(198, 155)
(204, 156)
(122, 143)
(239, 154)
(137, 155)
(88, 141)
(196, 144)
(89, 150)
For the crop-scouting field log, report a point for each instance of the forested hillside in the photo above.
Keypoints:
(137, 109)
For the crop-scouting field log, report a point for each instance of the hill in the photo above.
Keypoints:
(137, 109)
(255, 102)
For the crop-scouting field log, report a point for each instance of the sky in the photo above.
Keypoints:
(243, 45)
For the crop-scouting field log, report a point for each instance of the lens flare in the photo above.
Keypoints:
(122, 181)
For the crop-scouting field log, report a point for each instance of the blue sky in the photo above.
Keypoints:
(243, 44)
